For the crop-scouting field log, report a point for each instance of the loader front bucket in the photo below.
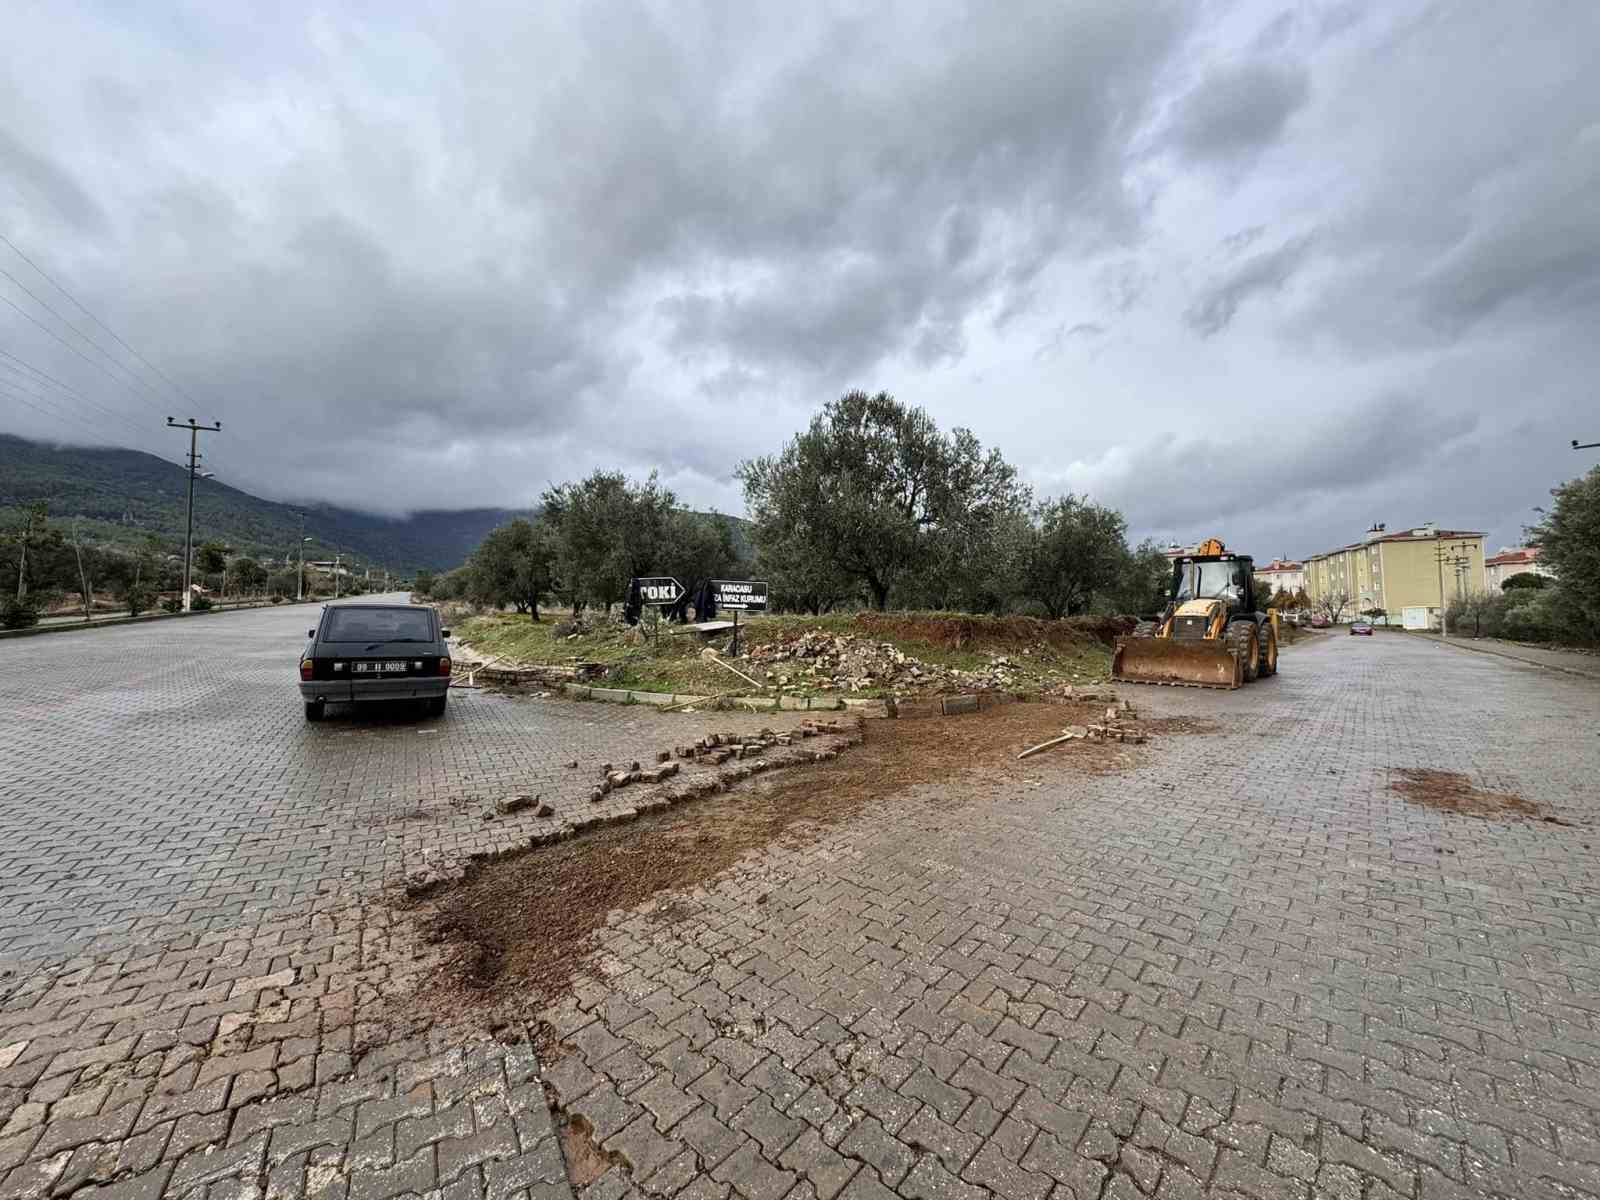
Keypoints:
(1207, 664)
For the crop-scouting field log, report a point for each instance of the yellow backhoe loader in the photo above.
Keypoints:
(1210, 634)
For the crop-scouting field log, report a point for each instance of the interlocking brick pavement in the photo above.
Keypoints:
(197, 971)
(1243, 968)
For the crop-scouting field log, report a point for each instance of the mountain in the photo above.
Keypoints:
(122, 495)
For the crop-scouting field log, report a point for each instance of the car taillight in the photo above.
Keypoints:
(444, 666)
(305, 669)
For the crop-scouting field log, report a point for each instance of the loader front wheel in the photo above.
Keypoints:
(1145, 629)
(1269, 650)
(1243, 640)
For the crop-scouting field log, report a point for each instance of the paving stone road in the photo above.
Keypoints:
(191, 955)
(1242, 968)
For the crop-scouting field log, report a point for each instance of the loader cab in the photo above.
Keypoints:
(1226, 577)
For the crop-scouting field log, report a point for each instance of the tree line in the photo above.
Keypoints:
(46, 566)
(1534, 608)
(589, 540)
(871, 505)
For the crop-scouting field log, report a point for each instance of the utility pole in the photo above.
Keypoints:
(336, 575)
(194, 465)
(83, 580)
(1438, 558)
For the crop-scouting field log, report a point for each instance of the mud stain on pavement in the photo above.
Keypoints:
(517, 932)
(1452, 792)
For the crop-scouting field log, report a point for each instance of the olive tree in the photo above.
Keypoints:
(870, 488)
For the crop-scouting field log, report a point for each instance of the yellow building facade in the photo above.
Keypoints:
(1397, 571)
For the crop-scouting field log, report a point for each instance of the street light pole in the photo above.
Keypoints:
(194, 464)
(300, 563)
(336, 575)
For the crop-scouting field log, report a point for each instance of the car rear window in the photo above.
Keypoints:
(377, 625)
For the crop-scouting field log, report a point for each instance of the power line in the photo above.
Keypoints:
(65, 343)
(52, 380)
(59, 415)
(122, 366)
(53, 283)
(93, 344)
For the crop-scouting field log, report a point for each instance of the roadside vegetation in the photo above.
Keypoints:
(871, 507)
(53, 568)
(861, 654)
(1564, 610)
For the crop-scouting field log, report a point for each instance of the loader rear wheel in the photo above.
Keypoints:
(1145, 629)
(1241, 637)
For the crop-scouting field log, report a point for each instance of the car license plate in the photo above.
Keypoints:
(377, 668)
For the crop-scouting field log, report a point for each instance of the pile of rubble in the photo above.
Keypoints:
(831, 662)
(1115, 726)
(714, 749)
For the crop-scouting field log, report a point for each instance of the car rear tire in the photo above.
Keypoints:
(434, 705)
(1242, 638)
(316, 710)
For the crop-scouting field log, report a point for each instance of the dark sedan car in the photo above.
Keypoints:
(363, 652)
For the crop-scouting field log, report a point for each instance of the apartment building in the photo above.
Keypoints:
(1501, 567)
(1396, 571)
(1282, 575)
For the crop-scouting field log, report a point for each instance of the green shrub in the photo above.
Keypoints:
(172, 604)
(15, 615)
(200, 604)
(138, 600)
(1534, 621)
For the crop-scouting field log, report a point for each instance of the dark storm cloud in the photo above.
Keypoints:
(1266, 272)
(419, 259)
(1235, 109)
(1184, 480)
(47, 186)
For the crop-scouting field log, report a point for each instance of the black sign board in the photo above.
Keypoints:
(660, 591)
(749, 595)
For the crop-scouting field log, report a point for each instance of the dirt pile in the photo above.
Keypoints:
(820, 661)
(956, 631)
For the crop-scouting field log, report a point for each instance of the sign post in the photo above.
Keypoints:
(658, 592)
(739, 595)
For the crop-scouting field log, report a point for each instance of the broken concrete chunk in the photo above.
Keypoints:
(598, 795)
(546, 809)
(510, 804)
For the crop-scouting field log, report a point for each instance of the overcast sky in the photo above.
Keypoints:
(1269, 270)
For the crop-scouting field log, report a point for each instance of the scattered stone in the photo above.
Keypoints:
(511, 804)
(572, 764)
(598, 795)
(664, 756)
(546, 809)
